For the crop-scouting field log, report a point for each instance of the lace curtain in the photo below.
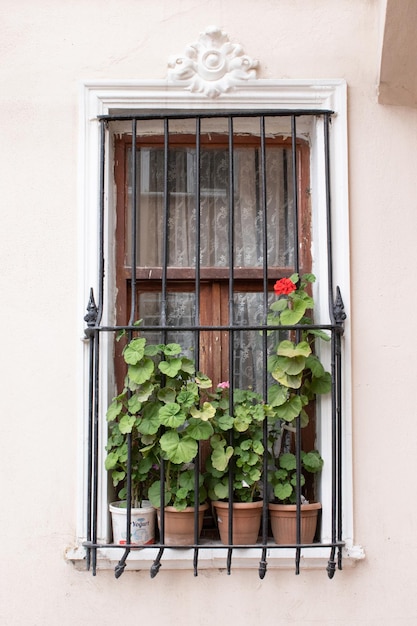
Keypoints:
(214, 233)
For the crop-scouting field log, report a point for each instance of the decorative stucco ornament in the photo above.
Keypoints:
(213, 65)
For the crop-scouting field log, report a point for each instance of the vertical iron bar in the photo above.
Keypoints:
(197, 323)
(90, 441)
(297, 269)
(120, 567)
(334, 470)
(95, 446)
(101, 221)
(263, 563)
(231, 321)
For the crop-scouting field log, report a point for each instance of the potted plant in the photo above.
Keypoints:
(162, 409)
(237, 445)
(283, 512)
(299, 377)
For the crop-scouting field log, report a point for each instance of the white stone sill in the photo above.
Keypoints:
(182, 559)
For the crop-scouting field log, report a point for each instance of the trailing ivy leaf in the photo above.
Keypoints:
(178, 449)
(134, 351)
(171, 415)
(142, 371)
(170, 368)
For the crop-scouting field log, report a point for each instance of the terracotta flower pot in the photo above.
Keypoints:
(284, 522)
(246, 521)
(179, 525)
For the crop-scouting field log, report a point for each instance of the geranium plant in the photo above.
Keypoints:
(297, 370)
(237, 440)
(162, 409)
(299, 377)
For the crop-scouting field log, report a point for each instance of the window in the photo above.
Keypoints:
(311, 143)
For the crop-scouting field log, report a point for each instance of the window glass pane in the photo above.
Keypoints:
(214, 207)
(179, 312)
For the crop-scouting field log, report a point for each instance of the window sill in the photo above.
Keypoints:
(214, 558)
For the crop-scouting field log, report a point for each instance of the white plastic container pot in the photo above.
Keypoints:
(142, 523)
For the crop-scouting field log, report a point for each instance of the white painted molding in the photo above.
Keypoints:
(99, 97)
(212, 65)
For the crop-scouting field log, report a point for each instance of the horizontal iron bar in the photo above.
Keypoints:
(335, 327)
(211, 546)
(180, 115)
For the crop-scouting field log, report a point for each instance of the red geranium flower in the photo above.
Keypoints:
(284, 286)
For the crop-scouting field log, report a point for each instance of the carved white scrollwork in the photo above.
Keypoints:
(213, 65)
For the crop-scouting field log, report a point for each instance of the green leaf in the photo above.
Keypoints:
(142, 371)
(199, 429)
(207, 412)
(221, 490)
(171, 415)
(289, 349)
(170, 368)
(322, 385)
(221, 454)
(277, 395)
(290, 317)
(149, 424)
(172, 349)
(178, 449)
(288, 461)
(312, 461)
(126, 424)
(134, 351)
(186, 398)
(290, 410)
(166, 395)
(203, 381)
(112, 460)
(187, 365)
(283, 491)
(114, 410)
(133, 404)
(154, 494)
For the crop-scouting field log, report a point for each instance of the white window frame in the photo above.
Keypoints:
(106, 97)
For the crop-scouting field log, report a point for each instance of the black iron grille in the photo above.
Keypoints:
(98, 305)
